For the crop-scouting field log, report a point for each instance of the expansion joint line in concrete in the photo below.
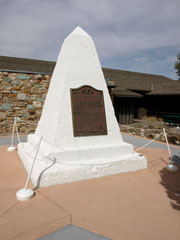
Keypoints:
(57, 205)
(9, 209)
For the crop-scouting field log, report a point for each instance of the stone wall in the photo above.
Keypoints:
(21, 95)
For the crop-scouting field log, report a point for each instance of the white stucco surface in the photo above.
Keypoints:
(76, 158)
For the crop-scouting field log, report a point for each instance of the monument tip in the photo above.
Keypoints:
(79, 31)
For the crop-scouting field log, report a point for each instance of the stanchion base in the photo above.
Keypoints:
(11, 149)
(24, 194)
(171, 168)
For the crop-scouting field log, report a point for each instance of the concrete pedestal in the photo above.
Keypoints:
(57, 166)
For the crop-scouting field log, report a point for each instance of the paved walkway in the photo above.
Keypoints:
(71, 232)
(139, 205)
(6, 141)
(139, 142)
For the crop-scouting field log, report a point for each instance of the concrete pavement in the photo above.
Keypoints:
(139, 205)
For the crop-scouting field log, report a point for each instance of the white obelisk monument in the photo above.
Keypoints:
(64, 156)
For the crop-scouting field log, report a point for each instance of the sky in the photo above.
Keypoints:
(134, 35)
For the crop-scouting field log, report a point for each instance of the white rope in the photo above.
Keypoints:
(149, 142)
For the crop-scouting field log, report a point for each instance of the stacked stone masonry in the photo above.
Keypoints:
(22, 96)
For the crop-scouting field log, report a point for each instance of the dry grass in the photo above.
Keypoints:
(152, 119)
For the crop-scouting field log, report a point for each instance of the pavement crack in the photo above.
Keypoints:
(9, 209)
(59, 206)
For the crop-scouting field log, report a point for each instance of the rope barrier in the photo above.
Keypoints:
(15, 127)
(96, 163)
(163, 132)
(25, 193)
(29, 192)
(149, 142)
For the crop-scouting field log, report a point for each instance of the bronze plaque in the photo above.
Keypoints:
(88, 111)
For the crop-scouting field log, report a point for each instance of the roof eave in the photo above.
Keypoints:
(162, 94)
(127, 96)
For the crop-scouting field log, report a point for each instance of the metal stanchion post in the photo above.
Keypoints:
(12, 148)
(170, 167)
(27, 193)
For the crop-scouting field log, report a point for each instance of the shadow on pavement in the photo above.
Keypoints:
(171, 182)
(176, 159)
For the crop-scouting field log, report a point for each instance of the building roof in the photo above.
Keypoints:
(134, 80)
(121, 92)
(172, 88)
(129, 84)
(26, 65)
(150, 84)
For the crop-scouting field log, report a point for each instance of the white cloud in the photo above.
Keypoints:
(162, 66)
(140, 59)
(37, 28)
